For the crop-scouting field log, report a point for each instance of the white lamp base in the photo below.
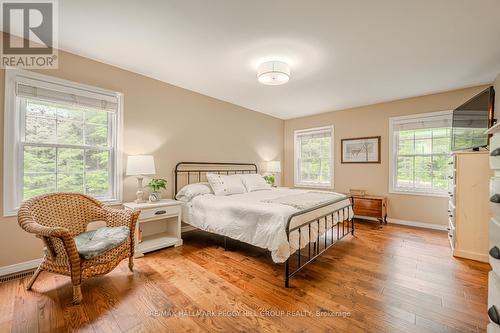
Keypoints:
(140, 193)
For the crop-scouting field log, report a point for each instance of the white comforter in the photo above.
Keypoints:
(258, 218)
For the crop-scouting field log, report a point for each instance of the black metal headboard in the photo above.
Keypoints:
(195, 172)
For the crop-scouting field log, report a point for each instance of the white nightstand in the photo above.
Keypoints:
(171, 230)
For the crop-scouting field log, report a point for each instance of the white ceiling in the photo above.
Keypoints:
(343, 53)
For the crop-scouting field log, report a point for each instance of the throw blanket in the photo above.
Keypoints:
(307, 200)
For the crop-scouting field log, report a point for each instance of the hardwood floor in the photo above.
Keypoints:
(398, 279)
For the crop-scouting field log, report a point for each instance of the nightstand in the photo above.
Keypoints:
(167, 232)
(371, 206)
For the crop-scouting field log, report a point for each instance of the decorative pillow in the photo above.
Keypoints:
(225, 185)
(190, 191)
(254, 182)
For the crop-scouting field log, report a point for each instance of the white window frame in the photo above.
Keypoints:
(392, 155)
(13, 164)
(296, 156)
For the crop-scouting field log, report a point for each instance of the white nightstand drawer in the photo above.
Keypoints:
(158, 212)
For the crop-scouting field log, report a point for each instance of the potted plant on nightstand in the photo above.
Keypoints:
(156, 184)
(270, 179)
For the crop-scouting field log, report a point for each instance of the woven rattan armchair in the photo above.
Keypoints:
(58, 217)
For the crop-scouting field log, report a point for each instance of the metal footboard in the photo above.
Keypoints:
(323, 242)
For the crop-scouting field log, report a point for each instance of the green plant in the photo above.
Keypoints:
(156, 184)
(270, 179)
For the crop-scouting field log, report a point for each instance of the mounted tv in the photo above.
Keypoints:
(471, 120)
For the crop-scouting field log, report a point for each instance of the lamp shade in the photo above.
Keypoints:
(140, 165)
(273, 166)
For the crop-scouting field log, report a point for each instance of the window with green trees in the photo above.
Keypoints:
(60, 136)
(313, 157)
(65, 149)
(421, 153)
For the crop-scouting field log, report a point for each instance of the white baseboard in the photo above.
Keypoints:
(22, 266)
(405, 222)
(418, 224)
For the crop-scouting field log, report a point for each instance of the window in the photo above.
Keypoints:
(60, 136)
(314, 157)
(420, 153)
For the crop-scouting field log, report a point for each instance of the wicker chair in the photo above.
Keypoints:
(56, 218)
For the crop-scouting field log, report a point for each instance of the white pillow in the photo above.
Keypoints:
(225, 185)
(188, 192)
(254, 182)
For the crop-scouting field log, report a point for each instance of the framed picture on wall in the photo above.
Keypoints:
(360, 150)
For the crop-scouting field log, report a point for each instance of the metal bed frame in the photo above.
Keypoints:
(302, 256)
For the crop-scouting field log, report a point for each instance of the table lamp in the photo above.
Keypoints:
(140, 166)
(273, 167)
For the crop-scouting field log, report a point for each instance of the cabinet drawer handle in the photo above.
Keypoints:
(495, 252)
(495, 198)
(160, 212)
(493, 314)
(495, 152)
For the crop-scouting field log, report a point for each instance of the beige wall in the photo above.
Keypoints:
(373, 120)
(171, 123)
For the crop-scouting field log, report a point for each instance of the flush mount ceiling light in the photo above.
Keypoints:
(273, 73)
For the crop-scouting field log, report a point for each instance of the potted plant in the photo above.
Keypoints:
(270, 179)
(156, 184)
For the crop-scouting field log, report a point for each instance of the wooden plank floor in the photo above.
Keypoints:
(398, 279)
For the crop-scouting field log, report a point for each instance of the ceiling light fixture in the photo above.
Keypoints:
(273, 73)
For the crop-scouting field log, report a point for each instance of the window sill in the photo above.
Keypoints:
(313, 186)
(110, 202)
(10, 213)
(422, 194)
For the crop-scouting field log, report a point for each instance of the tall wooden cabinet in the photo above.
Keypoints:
(469, 212)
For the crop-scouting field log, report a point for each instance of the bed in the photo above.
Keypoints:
(295, 225)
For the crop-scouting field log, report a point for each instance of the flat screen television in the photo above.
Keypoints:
(471, 120)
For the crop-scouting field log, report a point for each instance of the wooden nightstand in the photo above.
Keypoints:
(158, 212)
(371, 206)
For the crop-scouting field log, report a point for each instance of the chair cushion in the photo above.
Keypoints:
(91, 244)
